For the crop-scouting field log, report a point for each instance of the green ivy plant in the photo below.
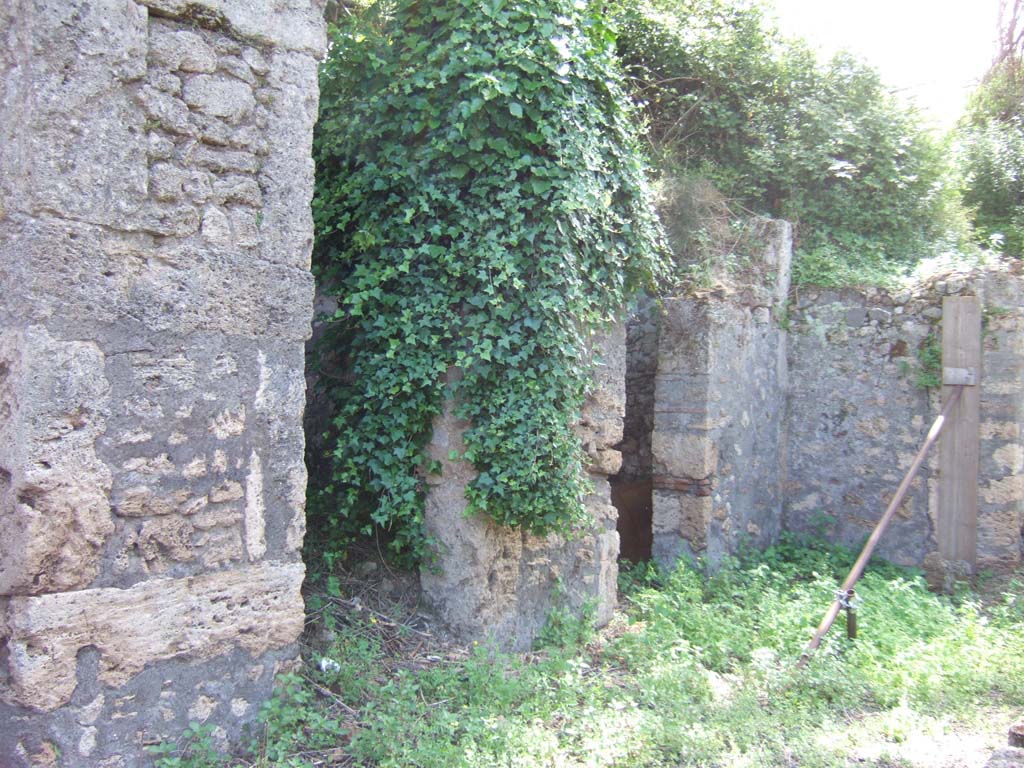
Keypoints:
(481, 206)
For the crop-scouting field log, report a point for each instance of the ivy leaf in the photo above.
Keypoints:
(540, 186)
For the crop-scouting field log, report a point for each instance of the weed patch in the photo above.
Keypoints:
(696, 671)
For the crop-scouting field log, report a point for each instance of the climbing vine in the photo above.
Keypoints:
(480, 207)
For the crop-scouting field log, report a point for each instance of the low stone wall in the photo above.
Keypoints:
(857, 415)
(719, 393)
(154, 218)
(499, 585)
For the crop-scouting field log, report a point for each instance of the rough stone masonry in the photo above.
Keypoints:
(704, 441)
(858, 412)
(155, 179)
(753, 409)
(499, 585)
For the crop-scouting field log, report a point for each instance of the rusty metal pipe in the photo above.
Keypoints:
(858, 567)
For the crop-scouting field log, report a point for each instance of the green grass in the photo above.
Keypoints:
(698, 671)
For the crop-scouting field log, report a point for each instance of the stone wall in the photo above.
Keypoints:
(155, 232)
(751, 411)
(857, 416)
(642, 331)
(719, 395)
(498, 585)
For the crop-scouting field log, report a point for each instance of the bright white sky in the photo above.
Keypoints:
(934, 49)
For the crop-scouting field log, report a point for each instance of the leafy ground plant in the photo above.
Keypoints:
(696, 671)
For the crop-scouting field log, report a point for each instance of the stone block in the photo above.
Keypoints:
(603, 462)
(1010, 457)
(683, 515)
(684, 455)
(237, 189)
(290, 26)
(681, 393)
(1004, 490)
(68, 273)
(257, 609)
(999, 531)
(54, 509)
(256, 61)
(174, 48)
(164, 541)
(225, 161)
(164, 111)
(219, 96)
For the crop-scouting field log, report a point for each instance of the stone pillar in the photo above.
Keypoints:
(1001, 481)
(155, 234)
(717, 444)
(495, 584)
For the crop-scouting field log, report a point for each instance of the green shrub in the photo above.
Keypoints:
(826, 146)
(991, 139)
(929, 363)
(992, 156)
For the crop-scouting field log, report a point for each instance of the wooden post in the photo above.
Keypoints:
(957, 522)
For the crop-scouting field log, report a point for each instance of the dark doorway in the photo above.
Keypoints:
(632, 486)
(633, 500)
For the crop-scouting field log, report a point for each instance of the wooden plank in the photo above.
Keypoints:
(957, 520)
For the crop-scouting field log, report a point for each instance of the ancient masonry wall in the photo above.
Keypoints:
(857, 415)
(499, 585)
(717, 447)
(155, 233)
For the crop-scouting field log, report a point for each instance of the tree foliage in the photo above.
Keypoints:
(992, 141)
(480, 206)
(825, 146)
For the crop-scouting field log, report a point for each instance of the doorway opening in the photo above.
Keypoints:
(632, 487)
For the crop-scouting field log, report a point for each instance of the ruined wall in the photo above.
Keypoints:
(718, 411)
(155, 233)
(857, 415)
(495, 584)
